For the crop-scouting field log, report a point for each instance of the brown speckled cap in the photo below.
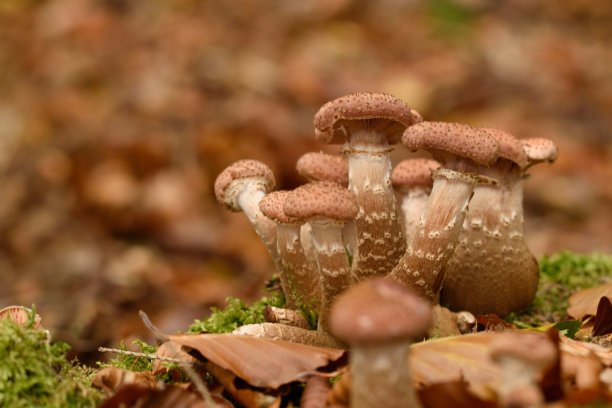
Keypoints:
(322, 166)
(510, 148)
(378, 311)
(272, 207)
(243, 169)
(539, 149)
(381, 111)
(535, 348)
(413, 173)
(457, 139)
(321, 198)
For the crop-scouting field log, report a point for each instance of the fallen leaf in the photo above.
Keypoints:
(454, 394)
(262, 362)
(585, 302)
(171, 396)
(111, 379)
(492, 322)
(602, 324)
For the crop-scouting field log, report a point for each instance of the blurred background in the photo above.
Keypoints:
(117, 115)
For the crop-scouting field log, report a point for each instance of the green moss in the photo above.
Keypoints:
(562, 275)
(236, 314)
(133, 363)
(34, 371)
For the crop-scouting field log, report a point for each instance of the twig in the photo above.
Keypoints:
(149, 356)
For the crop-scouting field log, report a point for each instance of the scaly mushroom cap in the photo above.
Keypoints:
(539, 149)
(322, 166)
(413, 173)
(379, 311)
(510, 148)
(534, 348)
(242, 169)
(336, 119)
(321, 199)
(443, 138)
(272, 207)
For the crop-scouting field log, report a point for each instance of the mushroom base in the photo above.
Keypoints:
(380, 376)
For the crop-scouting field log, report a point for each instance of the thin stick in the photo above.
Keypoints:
(149, 356)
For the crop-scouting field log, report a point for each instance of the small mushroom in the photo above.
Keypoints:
(299, 280)
(459, 149)
(240, 187)
(327, 206)
(412, 180)
(522, 356)
(492, 270)
(368, 124)
(379, 319)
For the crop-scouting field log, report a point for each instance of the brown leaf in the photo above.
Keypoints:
(264, 363)
(602, 324)
(492, 322)
(585, 302)
(111, 379)
(136, 396)
(454, 394)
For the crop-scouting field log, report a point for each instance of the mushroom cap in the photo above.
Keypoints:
(456, 139)
(413, 173)
(534, 348)
(243, 169)
(272, 207)
(321, 199)
(510, 148)
(379, 311)
(380, 111)
(539, 149)
(20, 315)
(322, 166)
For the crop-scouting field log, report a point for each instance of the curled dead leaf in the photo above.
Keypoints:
(171, 396)
(110, 379)
(585, 302)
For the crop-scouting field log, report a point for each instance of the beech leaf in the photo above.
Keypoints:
(602, 323)
(585, 302)
(264, 363)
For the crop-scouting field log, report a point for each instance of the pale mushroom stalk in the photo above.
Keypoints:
(300, 279)
(459, 149)
(421, 267)
(413, 205)
(368, 124)
(334, 268)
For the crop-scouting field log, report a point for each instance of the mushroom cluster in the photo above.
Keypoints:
(448, 228)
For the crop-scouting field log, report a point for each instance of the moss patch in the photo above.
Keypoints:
(562, 275)
(34, 371)
(236, 314)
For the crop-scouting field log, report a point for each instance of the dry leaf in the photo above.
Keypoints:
(111, 379)
(585, 302)
(136, 396)
(454, 394)
(602, 323)
(264, 363)
(492, 322)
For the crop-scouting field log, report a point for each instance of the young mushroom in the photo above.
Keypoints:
(459, 149)
(368, 124)
(299, 279)
(492, 270)
(379, 319)
(327, 206)
(412, 180)
(240, 187)
(522, 356)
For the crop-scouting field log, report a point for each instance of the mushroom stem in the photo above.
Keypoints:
(380, 238)
(421, 267)
(248, 200)
(332, 261)
(384, 366)
(413, 205)
(302, 278)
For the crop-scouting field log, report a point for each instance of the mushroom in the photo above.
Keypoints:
(492, 270)
(521, 357)
(379, 319)
(315, 392)
(368, 124)
(327, 206)
(299, 280)
(460, 149)
(240, 187)
(326, 167)
(412, 179)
